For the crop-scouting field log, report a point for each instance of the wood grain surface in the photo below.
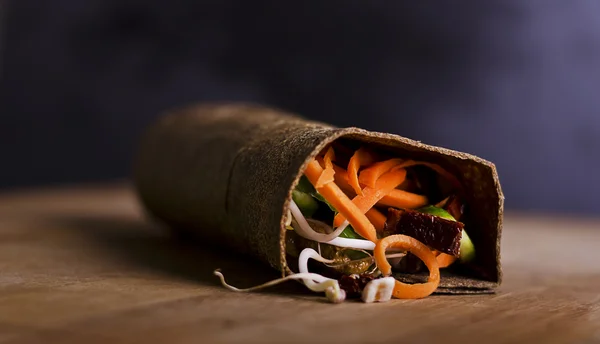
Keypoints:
(82, 265)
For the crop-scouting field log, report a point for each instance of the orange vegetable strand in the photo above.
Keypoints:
(377, 219)
(361, 157)
(403, 199)
(371, 195)
(369, 175)
(396, 198)
(445, 260)
(332, 193)
(328, 174)
(403, 290)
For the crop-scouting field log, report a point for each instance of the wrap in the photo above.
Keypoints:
(225, 173)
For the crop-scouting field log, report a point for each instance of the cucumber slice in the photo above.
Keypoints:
(467, 249)
(307, 204)
(435, 211)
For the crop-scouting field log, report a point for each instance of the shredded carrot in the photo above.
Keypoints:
(341, 179)
(445, 260)
(328, 174)
(361, 157)
(377, 219)
(403, 199)
(375, 216)
(332, 193)
(369, 175)
(371, 195)
(403, 290)
(329, 157)
(396, 198)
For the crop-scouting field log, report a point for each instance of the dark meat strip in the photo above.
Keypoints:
(433, 231)
(353, 285)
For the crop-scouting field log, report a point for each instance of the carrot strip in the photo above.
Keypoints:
(360, 158)
(377, 219)
(396, 198)
(445, 260)
(400, 198)
(369, 175)
(403, 290)
(371, 195)
(375, 216)
(332, 193)
(328, 174)
(403, 199)
(341, 179)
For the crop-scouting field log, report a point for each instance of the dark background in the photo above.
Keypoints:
(516, 82)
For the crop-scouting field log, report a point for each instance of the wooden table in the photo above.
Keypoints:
(81, 265)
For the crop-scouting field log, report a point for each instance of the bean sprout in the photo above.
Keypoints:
(305, 231)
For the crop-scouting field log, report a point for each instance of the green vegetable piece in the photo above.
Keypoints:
(435, 211)
(349, 233)
(467, 249)
(305, 186)
(307, 199)
(320, 198)
(307, 204)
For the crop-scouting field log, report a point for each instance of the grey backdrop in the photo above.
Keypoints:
(516, 82)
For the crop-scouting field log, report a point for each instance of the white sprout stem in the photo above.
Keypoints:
(306, 231)
(305, 255)
(300, 276)
(330, 286)
(352, 243)
(314, 282)
(342, 227)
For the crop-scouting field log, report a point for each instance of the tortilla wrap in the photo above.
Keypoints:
(225, 173)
